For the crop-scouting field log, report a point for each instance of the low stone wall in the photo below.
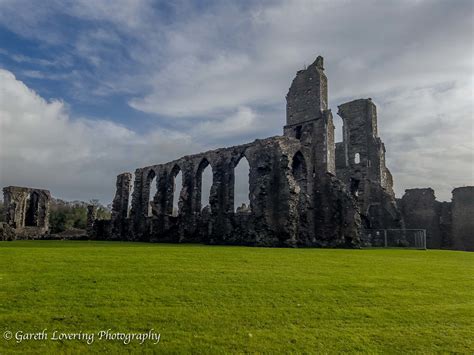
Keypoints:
(449, 225)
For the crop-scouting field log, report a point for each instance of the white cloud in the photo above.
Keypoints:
(429, 137)
(242, 122)
(230, 57)
(42, 145)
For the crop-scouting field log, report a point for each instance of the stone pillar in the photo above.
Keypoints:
(221, 199)
(462, 209)
(120, 205)
(15, 205)
(91, 217)
(186, 215)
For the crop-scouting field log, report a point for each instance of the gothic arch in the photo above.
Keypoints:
(152, 188)
(175, 176)
(241, 184)
(32, 210)
(202, 195)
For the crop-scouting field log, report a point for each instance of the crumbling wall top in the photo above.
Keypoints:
(307, 97)
(360, 112)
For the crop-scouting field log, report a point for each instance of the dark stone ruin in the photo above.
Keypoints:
(449, 225)
(295, 196)
(304, 189)
(26, 213)
(360, 164)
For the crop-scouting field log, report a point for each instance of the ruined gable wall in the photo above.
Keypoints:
(360, 137)
(308, 118)
(360, 163)
(308, 95)
(29, 219)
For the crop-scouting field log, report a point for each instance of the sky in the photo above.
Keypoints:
(93, 88)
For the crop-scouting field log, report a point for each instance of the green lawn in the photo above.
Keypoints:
(212, 299)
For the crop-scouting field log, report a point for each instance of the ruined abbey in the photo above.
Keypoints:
(304, 188)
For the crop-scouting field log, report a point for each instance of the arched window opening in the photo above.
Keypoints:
(298, 132)
(242, 186)
(130, 195)
(32, 206)
(177, 186)
(153, 188)
(338, 129)
(204, 180)
(357, 158)
(299, 171)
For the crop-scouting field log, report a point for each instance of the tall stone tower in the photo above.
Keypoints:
(308, 118)
(363, 151)
(360, 163)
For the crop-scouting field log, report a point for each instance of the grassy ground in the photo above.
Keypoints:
(210, 299)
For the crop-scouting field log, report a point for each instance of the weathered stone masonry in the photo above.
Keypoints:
(449, 225)
(278, 191)
(295, 197)
(27, 211)
(305, 189)
(360, 163)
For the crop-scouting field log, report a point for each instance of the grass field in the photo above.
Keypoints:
(212, 299)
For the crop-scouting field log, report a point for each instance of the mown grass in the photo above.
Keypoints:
(212, 299)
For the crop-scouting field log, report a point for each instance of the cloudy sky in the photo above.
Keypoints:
(92, 88)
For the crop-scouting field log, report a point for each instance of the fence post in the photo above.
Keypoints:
(424, 239)
(385, 237)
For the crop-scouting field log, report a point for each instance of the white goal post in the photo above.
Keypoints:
(394, 238)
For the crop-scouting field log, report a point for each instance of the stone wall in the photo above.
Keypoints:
(305, 189)
(462, 212)
(360, 163)
(282, 209)
(27, 211)
(308, 118)
(308, 94)
(120, 210)
(420, 210)
(295, 198)
(449, 225)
